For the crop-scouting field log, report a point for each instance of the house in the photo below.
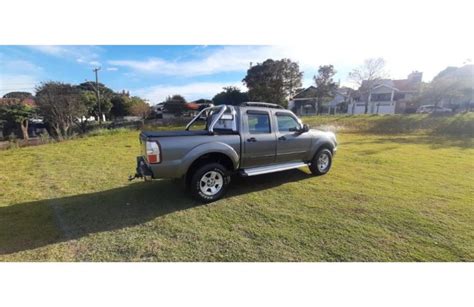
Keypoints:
(387, 96)
(305, 102)
(187, 109)
(196, 106)
(344, 96)
(157, 109)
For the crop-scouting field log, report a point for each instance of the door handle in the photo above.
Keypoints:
(282, 138)
(251, 140)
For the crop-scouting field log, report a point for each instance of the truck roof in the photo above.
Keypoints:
(261, 105)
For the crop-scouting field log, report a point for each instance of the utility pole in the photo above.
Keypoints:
(96, 70)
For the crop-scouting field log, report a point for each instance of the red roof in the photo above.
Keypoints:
(13, 101)
(8, 101)
(192, 106)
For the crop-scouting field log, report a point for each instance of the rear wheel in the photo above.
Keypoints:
(321, 162)
(209, 182)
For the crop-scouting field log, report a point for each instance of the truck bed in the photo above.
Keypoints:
(173, 133)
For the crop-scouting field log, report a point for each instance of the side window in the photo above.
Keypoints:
(258, 123)
(287, 123)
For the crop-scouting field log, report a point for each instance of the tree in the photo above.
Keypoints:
(90, 86)
(453, 86)
(61, 105)
(89, 95)
(273, 81)
(441, 89)
(120, 105)
(468, 94)
(367, 76)
(18, 95)
(230, 95)
(18, 114)
(140, 108)
(325, 85)
(175, 104)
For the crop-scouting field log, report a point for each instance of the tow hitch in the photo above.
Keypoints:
(142, 171)
(130, 177)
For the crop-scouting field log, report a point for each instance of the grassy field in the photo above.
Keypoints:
(388, 197)
(455, 125)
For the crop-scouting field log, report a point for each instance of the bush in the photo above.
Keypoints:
(461, 124)
(45, 138)
(103, 131)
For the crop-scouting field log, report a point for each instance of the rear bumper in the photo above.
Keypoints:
(143, 170)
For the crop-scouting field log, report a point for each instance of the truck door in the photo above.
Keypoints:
(292, 146)
(258, 138)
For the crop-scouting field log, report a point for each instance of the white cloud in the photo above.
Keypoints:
(94, 63)
(18, 75)
(19, 66)
(17, 82)
(191, 91)
(52, 50)
(344, 55)
(111, 69)
(225, 59)
(238, 58)
(81, 54)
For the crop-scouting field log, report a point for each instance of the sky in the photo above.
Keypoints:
(155, 72)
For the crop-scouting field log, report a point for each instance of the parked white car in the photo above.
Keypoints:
(429, 108)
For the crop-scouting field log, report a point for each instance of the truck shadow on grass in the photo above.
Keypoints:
(35, 224)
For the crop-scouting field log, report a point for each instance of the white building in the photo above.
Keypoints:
(387, 96)
(305, 103)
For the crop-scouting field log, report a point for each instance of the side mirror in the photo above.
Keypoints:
(303, 129)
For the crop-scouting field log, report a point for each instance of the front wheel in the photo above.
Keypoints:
(209, 182)
(321, 162)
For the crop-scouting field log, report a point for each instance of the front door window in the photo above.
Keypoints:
(287, 123)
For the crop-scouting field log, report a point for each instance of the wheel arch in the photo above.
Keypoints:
(324, 143)
(207, 153)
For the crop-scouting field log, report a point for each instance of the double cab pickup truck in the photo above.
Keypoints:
(251, 139)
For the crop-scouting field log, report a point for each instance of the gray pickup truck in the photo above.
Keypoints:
(251, 139)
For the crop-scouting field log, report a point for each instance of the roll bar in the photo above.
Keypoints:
(221, 109)
(214, 121)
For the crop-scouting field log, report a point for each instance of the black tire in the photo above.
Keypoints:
(320, 165)
(213, 186)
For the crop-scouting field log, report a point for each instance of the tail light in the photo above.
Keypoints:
(153, 153)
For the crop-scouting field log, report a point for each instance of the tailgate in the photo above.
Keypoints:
(143, 138)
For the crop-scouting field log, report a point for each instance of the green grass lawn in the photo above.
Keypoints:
(388, 197)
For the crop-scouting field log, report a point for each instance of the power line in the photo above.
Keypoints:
(96, 71)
